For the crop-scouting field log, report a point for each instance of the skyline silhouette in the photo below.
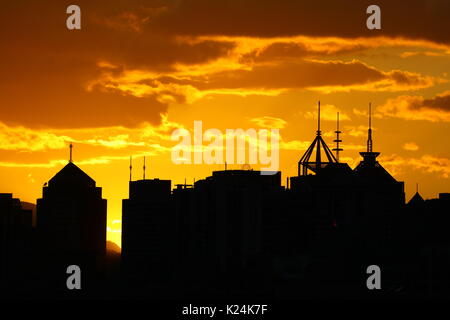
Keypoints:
(236, 232)
(126, 97)
(177, 149)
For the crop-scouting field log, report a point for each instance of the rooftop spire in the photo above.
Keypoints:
(131, 168)
(369, 136)
(318, 119)
(338, 140)
(369, 156)
(70, 156)
(318, 146)
(144, 169)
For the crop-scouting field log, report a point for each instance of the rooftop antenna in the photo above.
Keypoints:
(417, 188)
(369, 157)
(318, 120)
(318, 157)
(225, 166)
(369, 138)
(70, 157)
(131, 167)
(144, 167)
(338, 140)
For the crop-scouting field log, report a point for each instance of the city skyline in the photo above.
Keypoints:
(140, 168)
(138, 70)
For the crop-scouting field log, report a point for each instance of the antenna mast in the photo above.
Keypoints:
(318, 156)
(144, 168)
(131, 167)
(70, 156)
(369, 137)
(318, 120)
(338, 140)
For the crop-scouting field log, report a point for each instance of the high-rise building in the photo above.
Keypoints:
(379, 197)
(148, 231)
(231, 207)
(71, 223)
(335, 198)
(16, 234)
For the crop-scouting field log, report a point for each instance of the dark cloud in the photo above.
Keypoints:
(440, 102)
(294, 50)
(433, 109)
(294, 75)
(298, 74)
(47, 68)
(422, 19)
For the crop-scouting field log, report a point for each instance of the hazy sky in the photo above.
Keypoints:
(137, 70)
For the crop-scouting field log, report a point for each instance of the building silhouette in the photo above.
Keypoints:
(422, 243)
(245, 233)
(237, 233)
(71, 225)
(16, 235)
(148, 233)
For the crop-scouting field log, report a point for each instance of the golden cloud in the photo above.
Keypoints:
(410, 146)
(418, 108)
(269, 122)
(427, 163)
(328, 112)
(147, 137)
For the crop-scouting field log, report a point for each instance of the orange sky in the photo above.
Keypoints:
(137, 70)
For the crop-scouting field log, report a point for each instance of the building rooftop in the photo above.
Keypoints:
(71, 175)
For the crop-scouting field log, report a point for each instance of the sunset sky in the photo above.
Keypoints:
(138, 70)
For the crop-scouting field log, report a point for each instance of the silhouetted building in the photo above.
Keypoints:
(71, 222)
(379, 198)
(362, 201)
(15, 242)
(227, 214)
(148, 231)
(324, 193)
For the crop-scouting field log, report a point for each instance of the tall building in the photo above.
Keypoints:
(323, 194)
(359, 203)
(380, 197)
(16, 235)
(231, 207)
(71, 222)
(148, 231)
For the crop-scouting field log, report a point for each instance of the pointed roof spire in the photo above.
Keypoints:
(317, 146)
(416, 200)
(71, 175)
(369, 135)
(369, 157)
(70, 156)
